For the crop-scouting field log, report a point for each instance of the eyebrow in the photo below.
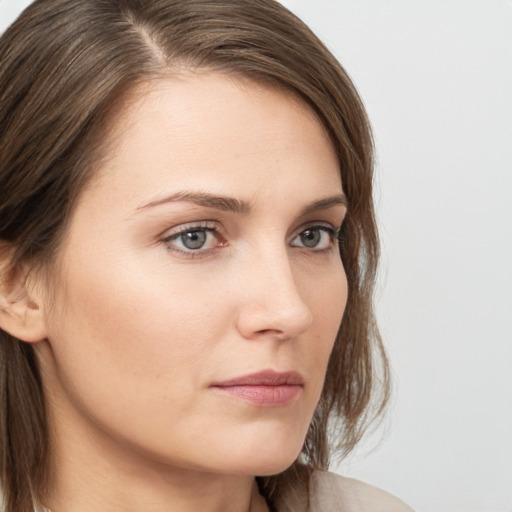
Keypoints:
(324, 204)
(231, 204)
(203, 199)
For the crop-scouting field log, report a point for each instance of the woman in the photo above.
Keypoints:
(188, 249)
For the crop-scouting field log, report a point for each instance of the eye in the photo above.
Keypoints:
(194, 239)
(316, 238)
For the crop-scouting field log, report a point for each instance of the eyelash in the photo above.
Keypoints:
(211, 227)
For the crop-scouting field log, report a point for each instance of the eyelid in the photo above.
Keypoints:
(328, 226)
(191, 226)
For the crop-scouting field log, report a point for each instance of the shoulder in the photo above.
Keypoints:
(330, 492)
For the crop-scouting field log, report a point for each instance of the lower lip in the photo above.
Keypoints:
(263, 396)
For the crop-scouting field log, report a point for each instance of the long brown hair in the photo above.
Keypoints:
(65, 66)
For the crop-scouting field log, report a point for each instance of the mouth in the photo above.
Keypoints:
(263, 389)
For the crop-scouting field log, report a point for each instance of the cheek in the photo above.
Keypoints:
(327, 298)
(136, 326)
(132, 323)
(128, 348)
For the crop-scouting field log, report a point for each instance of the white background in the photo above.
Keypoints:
(436, 76)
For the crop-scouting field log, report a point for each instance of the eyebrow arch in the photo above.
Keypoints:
(203, 199)
(324, 204)
(238, 206)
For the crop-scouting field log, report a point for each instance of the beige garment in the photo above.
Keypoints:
(330, 492)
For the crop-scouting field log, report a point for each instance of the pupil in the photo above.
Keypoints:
(194, 239)
(310, 238)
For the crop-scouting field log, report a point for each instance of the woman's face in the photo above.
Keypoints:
(202, 254)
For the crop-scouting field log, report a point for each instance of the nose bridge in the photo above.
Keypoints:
(274, 304)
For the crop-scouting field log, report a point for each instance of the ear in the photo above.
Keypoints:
(21, 313)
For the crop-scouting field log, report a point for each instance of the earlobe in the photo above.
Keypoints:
(21, 315)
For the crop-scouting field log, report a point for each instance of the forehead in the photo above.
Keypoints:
(208, 130)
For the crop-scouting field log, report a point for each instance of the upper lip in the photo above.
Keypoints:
(264, 378)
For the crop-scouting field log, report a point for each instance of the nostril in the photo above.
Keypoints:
(274, 333)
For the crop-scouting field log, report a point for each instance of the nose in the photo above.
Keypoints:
(272, 305)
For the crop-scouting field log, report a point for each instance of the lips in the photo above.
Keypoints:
(264, 389)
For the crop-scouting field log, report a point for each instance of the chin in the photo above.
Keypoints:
(274, 467)
(262, 466)
(267, 455)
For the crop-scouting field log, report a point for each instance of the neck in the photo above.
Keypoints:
(254, 503)
(93, 488)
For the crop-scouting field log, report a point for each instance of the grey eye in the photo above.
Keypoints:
(311, 238)
(193, 239)
(316, 238)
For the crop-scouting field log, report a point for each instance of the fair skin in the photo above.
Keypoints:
(162, 293)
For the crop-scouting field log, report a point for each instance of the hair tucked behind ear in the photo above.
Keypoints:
(66, 67)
